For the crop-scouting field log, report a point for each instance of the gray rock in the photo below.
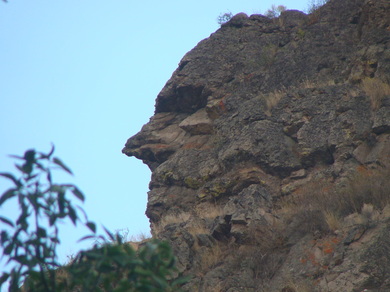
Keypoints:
(256, 117)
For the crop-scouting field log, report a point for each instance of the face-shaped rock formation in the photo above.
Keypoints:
(256, 113)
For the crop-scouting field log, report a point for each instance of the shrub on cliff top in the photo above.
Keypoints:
(315, 4)
(275, 11)
(224, 17)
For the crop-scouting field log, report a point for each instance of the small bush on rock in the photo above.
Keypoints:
(315, 4)
(224, 17)
(275, 11)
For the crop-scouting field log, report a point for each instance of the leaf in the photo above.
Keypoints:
(91, 226)
(3, 278)
(6, 221)
(27, 168)
(180, 281)
(52, 219)
(22, 260)
(142, 272)
(160, 281)
(22, 220)
(16, 156)
(11, 177)
(7, 195)
(54, 239)
(109, 233)
(49, 177)
(4, 237)
(8, 249)
(61, 202)
(42, 167)
(41, 232)
(78, 193)
(82, 211)
(72, 214)
(86, 237)
(57, 189)
(47, 156)
(62, 165)
(29, 156)
(19, 167)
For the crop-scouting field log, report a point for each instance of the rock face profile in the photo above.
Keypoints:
(270, 153)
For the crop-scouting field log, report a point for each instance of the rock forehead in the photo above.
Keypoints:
(258, 111)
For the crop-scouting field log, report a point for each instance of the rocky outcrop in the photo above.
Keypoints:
(269, 151)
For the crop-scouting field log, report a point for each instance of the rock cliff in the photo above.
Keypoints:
(270, 152)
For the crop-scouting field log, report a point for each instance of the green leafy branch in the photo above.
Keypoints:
(29, 242)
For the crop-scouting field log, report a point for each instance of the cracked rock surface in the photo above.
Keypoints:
(256, 117)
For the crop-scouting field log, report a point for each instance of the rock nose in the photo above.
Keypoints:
(165, 134)
(157, 140)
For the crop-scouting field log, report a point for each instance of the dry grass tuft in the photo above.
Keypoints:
(367, 186)
(198, 227)
(321, 205)
(305, 210)
(333, 220)
(170, 219)
(263, 262)
(136, 240)
(272, 99)
(208, 257)
(376, 89)
(140, 237)
(316, 84)
(368, 211)
(209, 210)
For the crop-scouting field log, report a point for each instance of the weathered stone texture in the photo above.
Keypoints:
(257, 113)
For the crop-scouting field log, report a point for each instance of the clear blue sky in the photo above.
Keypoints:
(84, 75)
